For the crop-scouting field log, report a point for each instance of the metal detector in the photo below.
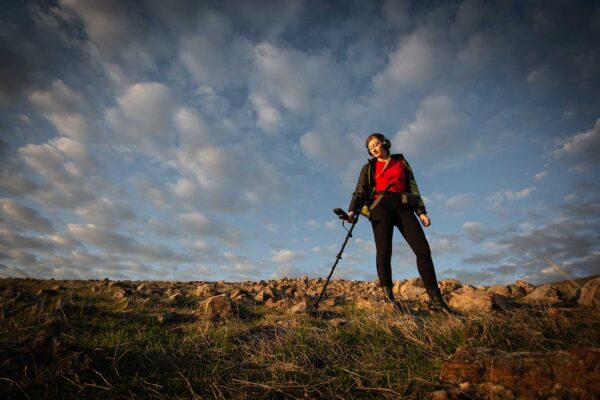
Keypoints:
(344, 217)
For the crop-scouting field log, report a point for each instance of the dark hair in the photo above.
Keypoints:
(385, 142)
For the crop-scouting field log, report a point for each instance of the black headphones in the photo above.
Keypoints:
(385, 142)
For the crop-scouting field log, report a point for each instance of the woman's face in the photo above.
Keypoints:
(376, 149)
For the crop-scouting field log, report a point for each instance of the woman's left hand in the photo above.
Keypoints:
(425, 220)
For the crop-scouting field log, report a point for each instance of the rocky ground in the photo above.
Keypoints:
(565, 370)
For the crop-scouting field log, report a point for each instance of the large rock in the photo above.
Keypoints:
(566, 374)
(590, 294)
(470, 300)
(220, 307)
(413, 289)
(448, 286)
(545, 294)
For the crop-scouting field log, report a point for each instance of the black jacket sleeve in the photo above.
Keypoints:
(361, 192)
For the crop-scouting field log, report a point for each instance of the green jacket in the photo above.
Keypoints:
(366, 185)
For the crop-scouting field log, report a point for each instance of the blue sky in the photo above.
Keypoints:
(187, 140)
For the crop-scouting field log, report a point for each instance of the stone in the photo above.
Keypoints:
(528, 287)
(472, 301)
(545, 294)
(207, 289)
(365, 303)
(448, 286)
(561, 374)
(174, 300)
(503, 290)
(122, 293)
(301, 307)
(220, 307)
(590, 294)
(338, 322)
(413, 289)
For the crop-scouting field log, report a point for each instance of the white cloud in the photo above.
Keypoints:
(438, 133)
(477, 231)
(143, 120)
(64, 108)
(285, 256)
(196, 223)
(25, 217)
(459, 202)
(269, 118)
(415, 62)
(584, 146)
(501, 197)
(540, 175)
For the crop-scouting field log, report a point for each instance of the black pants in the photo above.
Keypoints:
(389, 213)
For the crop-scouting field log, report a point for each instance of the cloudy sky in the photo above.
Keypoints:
(186, 140)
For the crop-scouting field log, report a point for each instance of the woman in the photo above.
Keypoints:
(387, 185)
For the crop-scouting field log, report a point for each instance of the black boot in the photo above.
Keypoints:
(437, 300)
(388, 294)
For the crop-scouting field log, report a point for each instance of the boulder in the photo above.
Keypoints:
(207, 289)
(545, 294)
(489, 373)
(220, 307)
(527, 287)
(122, 293)
(448, 286)
(480, 301)
(413, 289)
(503, 290)
(590, 294)
(472, 301)
(366, 303)
(301, 307)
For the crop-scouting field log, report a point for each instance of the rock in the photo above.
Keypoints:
(489, 373)
(413, 289)
(301, 307)
(170, 318)
(480, 301)
(365, 303)
(334, 301)
(545, 294)
(122, 293)
(528, 287)
(338, 322)
(472, 301)
(174, 300)
(220, 307)
(448, 286)
(590, 294)
(46, 292)
(517, 291)
(503, 290)
(207, 289)
(397, 286)
(141, 288)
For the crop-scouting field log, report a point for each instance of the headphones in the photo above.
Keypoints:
(385, 142)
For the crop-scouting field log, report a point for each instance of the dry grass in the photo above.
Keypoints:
(81, 345)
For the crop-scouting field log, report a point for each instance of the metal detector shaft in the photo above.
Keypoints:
(337, 259)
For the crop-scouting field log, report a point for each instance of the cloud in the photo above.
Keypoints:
(285, 256)
(583, 147)
(438, 133)
(415, 62)
(143, 120)
(503, 197)
(105, 212)
(215, 57)
(64, 108)
(477, 232)
(25, 217)
(196, 223)
(269, 117)
(116, 242)
(458, 202)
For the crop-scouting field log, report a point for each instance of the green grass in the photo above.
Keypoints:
(90, 347)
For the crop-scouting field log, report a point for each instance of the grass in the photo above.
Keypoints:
(82, 345)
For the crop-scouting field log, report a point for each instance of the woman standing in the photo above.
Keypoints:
(387, 186)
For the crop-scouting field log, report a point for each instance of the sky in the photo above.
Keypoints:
(210, 140)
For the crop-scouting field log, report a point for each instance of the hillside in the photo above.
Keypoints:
(165, 340)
